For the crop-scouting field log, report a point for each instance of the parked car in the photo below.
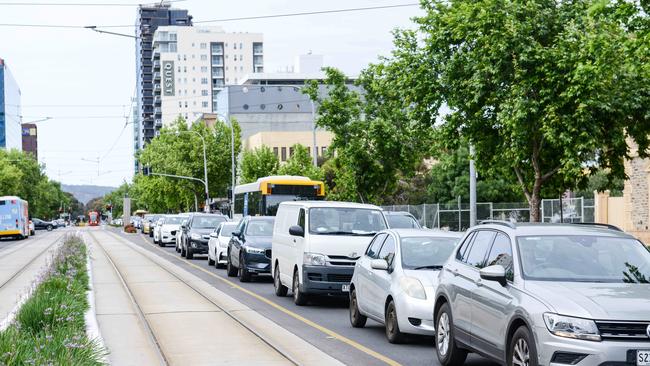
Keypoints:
(153, 221)
(196, 233)
(218, 243)
(32, 228)
(394, 282)
(249, 249)
(43, 225)
(401, 220)
(550, 294)
(179, 233)
(317, 243)
(165, 231)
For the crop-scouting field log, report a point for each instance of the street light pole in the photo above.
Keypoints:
(232, 162)
(313, 121)
(205, 170)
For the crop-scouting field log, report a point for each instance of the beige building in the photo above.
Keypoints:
(282, 141)
(193, 64)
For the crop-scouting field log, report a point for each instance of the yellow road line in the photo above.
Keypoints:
(281, 308)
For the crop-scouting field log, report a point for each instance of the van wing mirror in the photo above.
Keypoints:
(237, 233)
(494, 273)
(379, 264)
(296, 230)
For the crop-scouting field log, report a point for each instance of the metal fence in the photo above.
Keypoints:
(455, 216)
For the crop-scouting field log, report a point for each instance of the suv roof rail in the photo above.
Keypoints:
(607, 226)
(509, 224)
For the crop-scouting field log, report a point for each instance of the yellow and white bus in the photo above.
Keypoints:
(14, 217)
(261, 198)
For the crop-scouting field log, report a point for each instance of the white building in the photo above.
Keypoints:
(193, 64)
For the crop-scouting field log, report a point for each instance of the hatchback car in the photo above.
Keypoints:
(166, 228)
(218, 244)
(196, 233)
(545, 294)
(249, 250)
(395, 281)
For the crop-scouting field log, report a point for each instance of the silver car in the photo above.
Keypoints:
(557, 294)
(394, 282)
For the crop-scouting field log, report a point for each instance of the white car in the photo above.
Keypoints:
(317, 243)
(179, 234)
(395, 280)
(218, 244)
(165, 230)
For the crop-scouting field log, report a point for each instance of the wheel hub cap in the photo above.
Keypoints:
(442, 335)
(521, 353)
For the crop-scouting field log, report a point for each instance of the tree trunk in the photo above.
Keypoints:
(534, 202)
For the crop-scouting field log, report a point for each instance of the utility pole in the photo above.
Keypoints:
(472, 188)
(313, 121)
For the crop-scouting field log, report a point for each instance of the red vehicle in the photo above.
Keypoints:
(93, 218)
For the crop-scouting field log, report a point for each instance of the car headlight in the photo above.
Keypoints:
(195, 236)
(314, 259)
(568, 327)
(254, 250)
(413, 287)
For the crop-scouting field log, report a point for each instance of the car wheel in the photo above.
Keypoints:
(393, 333)
(522, 349)
(448, 353)
(216, 261)
(49, 227)
(299, 297)
(280, 289)
(357, 319)
(189, 254)
(231, 271)
(210, 261)
(244, 275)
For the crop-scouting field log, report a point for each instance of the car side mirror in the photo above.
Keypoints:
(214, 235)
(296, 230)
(183, 226)
(379, 264)
(494, 273)
(236, 233)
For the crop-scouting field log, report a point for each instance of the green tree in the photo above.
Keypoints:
(257, 163)
(543, 89)
(300, 163)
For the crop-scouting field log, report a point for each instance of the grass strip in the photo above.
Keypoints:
(49, 329)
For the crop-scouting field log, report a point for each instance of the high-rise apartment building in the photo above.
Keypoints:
(149, 18)
(30, 139)
(193, 64)
(10, 116)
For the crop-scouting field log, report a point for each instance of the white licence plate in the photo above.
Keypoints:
(643, 358)
(346, 288)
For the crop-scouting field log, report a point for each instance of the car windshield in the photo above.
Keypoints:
(345, 221)
(227, 229)
(260, 228)
(173, 220)
(426, 251)
(205, 222)
(402, 222)
(584, 258)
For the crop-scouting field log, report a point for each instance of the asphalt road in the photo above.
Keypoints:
(324, 323)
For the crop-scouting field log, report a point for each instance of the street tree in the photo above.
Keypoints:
(544, 89)
(257, 163)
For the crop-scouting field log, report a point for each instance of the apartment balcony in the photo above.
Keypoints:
(157, 111)
(217, 52)
(156, 64)
(157, 101)
(158, 122)
(157, 88)
(156, 54)
(156, 75)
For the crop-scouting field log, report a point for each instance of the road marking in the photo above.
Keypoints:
(281, 308)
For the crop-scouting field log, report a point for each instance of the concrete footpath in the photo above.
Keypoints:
(20, 264)
(151, 311)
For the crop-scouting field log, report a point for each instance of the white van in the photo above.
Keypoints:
(317, 243)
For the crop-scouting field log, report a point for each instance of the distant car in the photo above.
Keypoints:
(166, 228)
(394, 282)
(60, 222)
(32, 229)
(401, 220)
(150, 224)
(218, 244)
(43, 225)
(196, 233)
(249, 250)
(179, 233)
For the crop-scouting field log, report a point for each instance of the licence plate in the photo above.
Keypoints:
(643, 358)
(346, 288)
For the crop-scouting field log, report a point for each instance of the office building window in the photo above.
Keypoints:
(204, 69)
(178, 57)
(179, 69)
(204, 92)
(204, 46)
(290, 151)
(284, 154)
(173, 47)
(194, 80)
(180, 104)
(241, 46)
(234, 57)
(186, 103)
(204, 57)
(324, 150)
(184, 57)
(193, 68)
(184, 68)
(275, 152)
(204, 81)
(205, 104)
(234, 45)
(192, 44)
(172, 37)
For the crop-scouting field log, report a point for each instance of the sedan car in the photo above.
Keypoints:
(166, 228)
(550, 294)
(394, 282)
(249, 250)
(218, 244)
(43, 225)
(196, 233)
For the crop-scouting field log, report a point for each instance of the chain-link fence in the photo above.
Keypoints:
(455, 216)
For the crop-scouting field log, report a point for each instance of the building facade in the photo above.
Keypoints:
(149, 18)
(10, 113)
(30, 139)
(192, 65)
(281, 142)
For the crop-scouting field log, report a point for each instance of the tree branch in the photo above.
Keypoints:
(520, 178)
(551, 173)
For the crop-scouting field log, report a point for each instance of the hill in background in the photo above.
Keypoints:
(85, 193)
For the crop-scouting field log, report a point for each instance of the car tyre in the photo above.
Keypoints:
(280, 289)
(49, 228)
(522, 348)
(393, 333)
(357, 319)
(183, 252)
(448, 353)
(210, 261)
(231, 271)
(189, 254)
(244, 275)
(299, 298)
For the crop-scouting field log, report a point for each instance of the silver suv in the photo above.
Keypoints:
(536, 294)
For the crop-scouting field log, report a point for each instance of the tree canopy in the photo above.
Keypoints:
(257, 163)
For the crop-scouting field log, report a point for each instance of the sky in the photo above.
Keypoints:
(85, 80)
